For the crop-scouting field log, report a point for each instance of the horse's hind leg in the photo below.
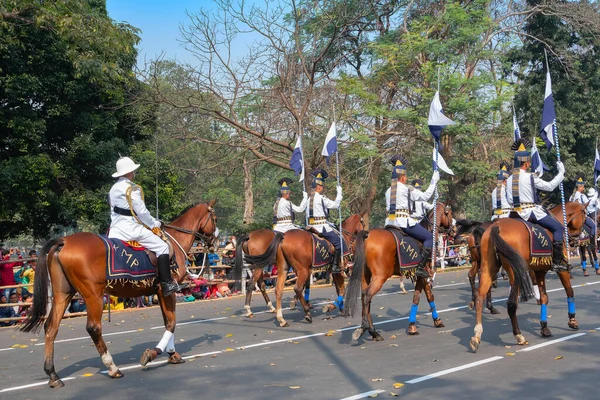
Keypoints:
(565, 279)
(282, 268)
(512, 305)
(94, 329)
(412, 317)
(472, 273)
(263, 290)
(402, 288)
(59, 305)
(367, 296)
(338, 280)
(437, 321)
(301, 276)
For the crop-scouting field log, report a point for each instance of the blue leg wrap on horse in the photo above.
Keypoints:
(596, 264)
(434, 313)
(544, 313)
(583, 265)
(339, 302)
(571, 304)
(413, 313)
(306, 294)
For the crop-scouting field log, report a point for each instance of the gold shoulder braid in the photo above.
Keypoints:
(157, 231)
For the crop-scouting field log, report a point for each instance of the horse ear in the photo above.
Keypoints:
(212, 203)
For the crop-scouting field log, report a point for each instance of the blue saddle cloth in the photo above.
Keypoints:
(123, 262)
(408, 249)
(540, 243)
(321, 254)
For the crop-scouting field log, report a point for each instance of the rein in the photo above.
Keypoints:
(206, 239)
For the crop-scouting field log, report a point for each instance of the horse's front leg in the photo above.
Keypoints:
(437, 321)
(340, 288)
(167, 343)
(565, 279)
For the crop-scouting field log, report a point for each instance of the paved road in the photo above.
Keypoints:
(231, 357)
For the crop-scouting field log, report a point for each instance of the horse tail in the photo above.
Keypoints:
(268, 257)
(239, 260)
(358, 271)
(516, 262)
(42, 281)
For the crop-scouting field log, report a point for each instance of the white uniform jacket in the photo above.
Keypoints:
(505, 207)
(583, 199)
(403, 218)
(421, 208)
(527, 195)
(321, 204)
(126, 227)
(284, 214)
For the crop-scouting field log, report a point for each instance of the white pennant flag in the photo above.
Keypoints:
(441, 163)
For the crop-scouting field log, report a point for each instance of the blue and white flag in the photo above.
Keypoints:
(537, 165)
(330, 145)
(517, 131)
(437, 120)
(596, 167)
(441, 163)
(548, 114)
(297, 162)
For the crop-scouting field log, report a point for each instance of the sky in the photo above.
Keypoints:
(159, 21)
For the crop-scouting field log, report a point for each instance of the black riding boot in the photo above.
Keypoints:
(335, 267)
(164, 275)
(558, 259)
(421, 272)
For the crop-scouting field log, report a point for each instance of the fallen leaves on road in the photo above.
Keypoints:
(19, 346)
(376, 379)
(509, 354)
(87, 374)
(229, 335)
(330, 333)
(398, 385)
(558, 358)
(393, 337)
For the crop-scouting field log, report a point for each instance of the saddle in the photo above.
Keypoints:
(151, 255)
(408, 249)
(323, 251)
(130, 264)
(540, 242)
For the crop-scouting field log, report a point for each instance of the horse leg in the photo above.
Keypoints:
(93, 327)
(263, 290)
(358, 332)
(60, 302)
(281, 277)
(307, 290)
(485, 283)
(167, 307)
(540, 277)
(301, 277)
(437, 321)
(402, 288)
(565, 279)
(338, 280)
(249, 289)
(367, 319)
(512, 305)
(412, 317)
(582, 251)
(471, 274)
(489, 304)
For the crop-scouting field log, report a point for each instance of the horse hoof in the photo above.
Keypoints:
(495, 284)
(284, 324)
(494, 311)
(521, 341)
(308, 319)
(309, 305)
(545, 332)
(377, 337)
(573, 324)
(412, 329)
(438, 323)
(474, 344)
(147, 356)
(175, 358)
(251, 315)
(585, 273)
(117, 374)
(272, 310)
(357, 334)
(56, 384)
(293, 305)
(342, 313)
(471, 305)
(404, 291)
(328, 307)
(598, 272)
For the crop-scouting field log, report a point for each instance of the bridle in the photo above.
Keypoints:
(351, 235)
(206, 239)
(441, 229)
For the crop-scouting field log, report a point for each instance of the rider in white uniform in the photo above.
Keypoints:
(125, 196)
(398, 199)
(591, 201)
(420, 207)
(522, 188)
(318, 211)
(284, 210)
(500, 203)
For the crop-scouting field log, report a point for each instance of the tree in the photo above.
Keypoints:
(66, 111)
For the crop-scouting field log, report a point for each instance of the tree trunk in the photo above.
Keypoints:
(248, 195)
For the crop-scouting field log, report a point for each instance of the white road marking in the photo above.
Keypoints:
(551, 342)
(371, 393)
(455, 369)
(70, 378)
(7, 349)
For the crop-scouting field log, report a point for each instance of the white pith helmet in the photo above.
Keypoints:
(125, 165)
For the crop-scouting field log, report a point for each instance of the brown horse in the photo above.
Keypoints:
(375, 260)
(263, 248)
(506, 243)
(77, 263)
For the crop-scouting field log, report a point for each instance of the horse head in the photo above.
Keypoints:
(576, 215)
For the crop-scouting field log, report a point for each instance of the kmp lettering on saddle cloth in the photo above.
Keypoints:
(409, 251)
(540, 244)
(321, 254)
(124, 262)
(584, 238)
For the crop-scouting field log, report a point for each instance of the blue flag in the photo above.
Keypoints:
(296, 162)
(516, 126)
(330, 145)
(437, 120)
(596, 168)
(548, 115)
(537, 165)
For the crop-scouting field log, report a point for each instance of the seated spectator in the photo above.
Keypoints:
(78, 305)
(14, 299)
(27, 274)
(213, 258)
(6, 312)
